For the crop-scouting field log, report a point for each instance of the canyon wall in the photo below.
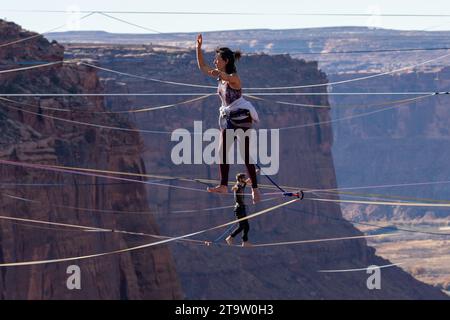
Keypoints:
(394, 143)
(306, 160)
(34, 138)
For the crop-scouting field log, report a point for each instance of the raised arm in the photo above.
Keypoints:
(200, 61)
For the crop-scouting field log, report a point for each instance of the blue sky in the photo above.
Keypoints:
(42, 22)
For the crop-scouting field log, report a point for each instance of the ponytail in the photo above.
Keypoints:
(237, 55)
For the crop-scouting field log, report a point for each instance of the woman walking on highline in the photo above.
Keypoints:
(240, 211)
(235, 112)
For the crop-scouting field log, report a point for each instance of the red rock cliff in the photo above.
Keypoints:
(30, 138)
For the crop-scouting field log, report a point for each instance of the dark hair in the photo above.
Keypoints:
(240, 176)
(231, 57)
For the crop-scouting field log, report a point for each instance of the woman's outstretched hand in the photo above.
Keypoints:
(199, 41)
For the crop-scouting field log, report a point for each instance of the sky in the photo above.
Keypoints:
(43, 22)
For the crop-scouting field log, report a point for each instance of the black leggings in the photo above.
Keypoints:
(225, 167)
(243, 225)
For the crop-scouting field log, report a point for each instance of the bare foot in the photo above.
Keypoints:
(256, 196)
(218, 189)
(246, 244)
(229, 240)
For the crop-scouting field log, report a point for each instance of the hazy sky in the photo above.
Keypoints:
(42, 22)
